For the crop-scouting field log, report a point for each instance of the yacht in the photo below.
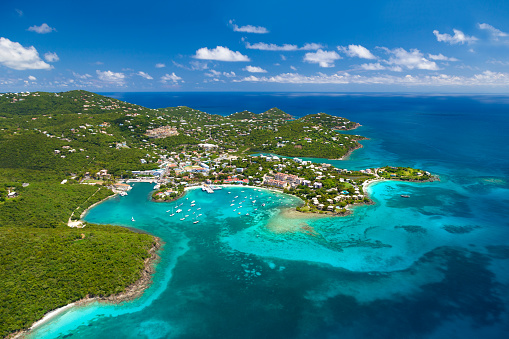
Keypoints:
(132, 219)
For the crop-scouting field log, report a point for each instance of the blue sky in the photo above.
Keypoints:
(340, 46)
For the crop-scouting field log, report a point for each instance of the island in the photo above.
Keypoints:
(64, 152)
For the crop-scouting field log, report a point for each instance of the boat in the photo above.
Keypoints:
(192, 202)
(192, 205)
(182, 219)
(132, 219)
(171, 215)
(196, 221)
(247, 213)
(123, 194)
(179, 210)
(199, 214)
(254, 201)
(232, 204)
(263, 204)
(405, 196)
(185, 216)
(199, 208)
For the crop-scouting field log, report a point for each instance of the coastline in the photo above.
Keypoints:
(84, 213)
(131, 292)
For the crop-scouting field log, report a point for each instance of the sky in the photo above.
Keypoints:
(431, 46)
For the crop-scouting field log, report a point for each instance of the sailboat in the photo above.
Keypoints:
(172, 214)
(132, 219)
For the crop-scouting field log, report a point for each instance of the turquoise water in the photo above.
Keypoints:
(431, 266)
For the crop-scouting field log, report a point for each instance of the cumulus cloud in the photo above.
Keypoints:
(441, 57)
(42, 29)
(144, 75)
(357, 51)
(486, 78)
(249, 29)
(15, 56)
(220, 53)
(262, 46)
(410, 60)
(111, 77)
(160, 65)
(254, 69)
(495, 33)
(171, 77)
(32, 78)
(51, 57)
(322, 58)
(458, 38)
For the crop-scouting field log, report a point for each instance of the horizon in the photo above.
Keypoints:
(380, 47)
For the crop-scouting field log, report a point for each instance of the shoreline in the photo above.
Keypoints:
(84, 213)
(131, 292)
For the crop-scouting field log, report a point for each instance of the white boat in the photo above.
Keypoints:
(263, 204)
(199, 208)
(192, 205)
(232, 204)
(192, 202)
(199, 214)
(171, 215)
(189, 210)
(196, 221)
(185, 216)
(179, 210)
(254, 201)
(182, 219)
(247, 213)
(123, 194)
(132, 219)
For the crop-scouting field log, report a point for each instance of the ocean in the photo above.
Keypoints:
(435, 265)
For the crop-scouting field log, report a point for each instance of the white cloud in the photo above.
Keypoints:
(17, 57)
(220, 53)
(495, 33)
(441, 57)
(410, 60)
(171, 77)
(51, 57)
(42, 29)
(144, 75)
(254, 69)
(160, 65)
(262, 46)
(215, 74)
(458, 38)
(283, 57)
(357, 51)
(293, 68)
(322, 58)
(111, 77)
(32, 78)
(486, 78)
(249, 29)
(198, 66)
(79, 76)
(373, 67)
(311, 47)
(19, 11)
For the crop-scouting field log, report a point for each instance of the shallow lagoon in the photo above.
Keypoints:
(431, 266)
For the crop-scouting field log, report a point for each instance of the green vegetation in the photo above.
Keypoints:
(44, 269)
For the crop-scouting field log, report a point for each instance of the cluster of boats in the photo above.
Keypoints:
(179, 210)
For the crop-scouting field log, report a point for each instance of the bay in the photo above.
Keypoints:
(432, 266)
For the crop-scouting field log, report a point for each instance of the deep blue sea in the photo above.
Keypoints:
(435, 265)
